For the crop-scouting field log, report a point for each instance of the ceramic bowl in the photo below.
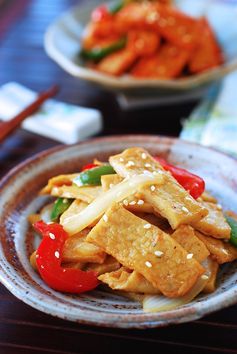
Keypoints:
(62, 44)
(19, 198)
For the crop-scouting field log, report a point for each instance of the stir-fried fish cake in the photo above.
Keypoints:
(170, 199)
(145, 248)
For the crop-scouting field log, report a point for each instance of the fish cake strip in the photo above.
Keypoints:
(220, 251)
(214, 223)
(129, 281)
(170, 199)
(145, 248)
(186, 237)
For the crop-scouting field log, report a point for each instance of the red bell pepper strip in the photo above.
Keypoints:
(49, 258)
(194, 184)
(89, 166)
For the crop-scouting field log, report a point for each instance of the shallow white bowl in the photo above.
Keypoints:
(62, 44)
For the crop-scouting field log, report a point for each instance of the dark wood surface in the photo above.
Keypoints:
(23, 329)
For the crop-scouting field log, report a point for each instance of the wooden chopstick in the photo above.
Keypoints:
(6, 128)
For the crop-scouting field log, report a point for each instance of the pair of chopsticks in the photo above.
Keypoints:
(6, 128)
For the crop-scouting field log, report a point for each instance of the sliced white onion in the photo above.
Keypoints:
(158, 303)
(45, 213)
(96, 209)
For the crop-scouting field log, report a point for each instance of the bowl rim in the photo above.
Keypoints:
(150, 320)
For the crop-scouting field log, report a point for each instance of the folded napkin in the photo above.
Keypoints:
(60, 121)
(214, 122)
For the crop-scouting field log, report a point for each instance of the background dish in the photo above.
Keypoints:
(62, 44)
(19, 198)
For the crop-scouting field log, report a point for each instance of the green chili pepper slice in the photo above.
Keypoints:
(93, 176)
(233, 225)
(115, 6)
(60, 205)
(98, 53)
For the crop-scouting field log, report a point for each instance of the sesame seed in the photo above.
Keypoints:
(148, 264)
(190, 256)
(140, 202)
(52, 236)
(132, 202)
(105, 218)
(130, 163)
(144, 156)
(125, 202)
(64, 200)
(158, 253)
(147, 226)
(121, 159)
(64, 270)
(185, 209)
(218, 206)
(147, 165)
(152, 17)
(146, 172)
(42, 266)
(204, 277)
(56, 253)
(188, 198)
(111, 185)
(37, 256)
(153, 188)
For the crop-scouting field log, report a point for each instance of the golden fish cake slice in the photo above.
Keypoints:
(170, 199)
(110, 264)
(129, 281)
(214, 223)
(86, 194)
(220, 251)
(145, 248)
(58, 181)
(186, 237)
(77, 249)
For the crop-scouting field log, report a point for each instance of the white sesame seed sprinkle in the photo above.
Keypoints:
(133, 202)
(185, 209)
(52, 236)
(204, 277)
(121, 159)
(188, 198)
(147, 165)
(140, 202)
(218, 206)
(144, 156)
(148, 264)
(125, 202)
(147, 226)
(111, 185)
(130, 163)
(153, 188)
(190, 256)
(42, 266)
(64, 270)
(37, 256)
(158, 253)
(105, 218)
(56, 253)
(65, 200)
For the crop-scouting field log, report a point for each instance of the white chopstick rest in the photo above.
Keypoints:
(61, 121)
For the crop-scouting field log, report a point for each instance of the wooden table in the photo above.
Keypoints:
(25, 330)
